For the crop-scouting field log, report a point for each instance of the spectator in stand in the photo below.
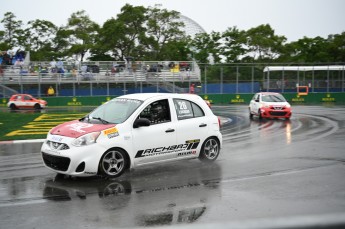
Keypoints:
(51, 91)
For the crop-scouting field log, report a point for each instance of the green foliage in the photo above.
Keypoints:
(12, 31)
(157, 34)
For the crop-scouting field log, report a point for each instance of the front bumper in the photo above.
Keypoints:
(272, 113)
(72, 160)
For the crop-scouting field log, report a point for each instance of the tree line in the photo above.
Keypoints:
(156, 34)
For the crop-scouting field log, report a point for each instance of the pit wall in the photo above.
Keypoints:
(293, 98)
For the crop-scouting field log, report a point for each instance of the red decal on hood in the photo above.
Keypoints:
(75, 129)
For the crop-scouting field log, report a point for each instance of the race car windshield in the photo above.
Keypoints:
(273, 98)
(115, 111)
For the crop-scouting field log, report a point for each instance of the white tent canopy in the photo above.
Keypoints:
(305, 68)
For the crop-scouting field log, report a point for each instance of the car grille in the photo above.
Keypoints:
(57, 145)
(278, 113)
(278, 108)
(56, 162)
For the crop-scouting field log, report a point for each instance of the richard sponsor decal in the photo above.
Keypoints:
(185, 149)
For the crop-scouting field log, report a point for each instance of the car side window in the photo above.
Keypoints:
(186, 109)
(27, 97)
(257, 97)
(157, 112)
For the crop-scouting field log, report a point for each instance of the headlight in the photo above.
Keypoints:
(86, 139)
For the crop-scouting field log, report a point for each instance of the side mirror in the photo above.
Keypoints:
(257, 100)
(141, 122)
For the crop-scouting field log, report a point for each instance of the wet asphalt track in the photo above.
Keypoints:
(268, 171)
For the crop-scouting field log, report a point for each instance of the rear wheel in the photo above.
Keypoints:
(210, 150)
(114, 162)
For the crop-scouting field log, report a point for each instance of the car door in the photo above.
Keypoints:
(156, 142)
(192, 127)
(28, 101)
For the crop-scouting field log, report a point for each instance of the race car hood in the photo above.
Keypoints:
(275, 104)
(75, 129)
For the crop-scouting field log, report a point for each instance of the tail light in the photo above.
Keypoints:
(219, 123)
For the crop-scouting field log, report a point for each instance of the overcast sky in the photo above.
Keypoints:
(291, 18)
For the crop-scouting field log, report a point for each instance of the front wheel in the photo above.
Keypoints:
(260, 115)
(250, 114)
(210, 150)
(13, 107)
(113, 163)
(37, 106)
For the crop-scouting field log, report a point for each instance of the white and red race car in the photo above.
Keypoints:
(25, 101)
(269, 105)
(134, 130)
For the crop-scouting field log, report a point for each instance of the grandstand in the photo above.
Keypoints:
(89, 78)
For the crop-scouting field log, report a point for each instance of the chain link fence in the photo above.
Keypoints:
(118, 78)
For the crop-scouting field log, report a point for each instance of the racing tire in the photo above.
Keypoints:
(250, 114)
(210, 150)
(259, 112)
(37, 106)
(113, 163)
(13, 106)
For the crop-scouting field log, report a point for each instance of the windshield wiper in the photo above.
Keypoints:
(83, 118)
(100, 119)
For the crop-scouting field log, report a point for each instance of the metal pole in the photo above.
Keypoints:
(297, 84)
(205, 88)
(221, 80)
(327, 79)
(157, 83)
(108, 92)
(268, 80)
(124, 88)
(252, 79)
(283, 81)
(342, 85)
(237, 79)
(173, 81)
(39, 85)
(312, 80)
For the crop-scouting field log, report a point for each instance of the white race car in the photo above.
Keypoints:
(134, 130)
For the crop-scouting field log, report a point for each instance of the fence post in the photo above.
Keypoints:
(253, 79)
(205, 88)
(237, 73)
(221, 80)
